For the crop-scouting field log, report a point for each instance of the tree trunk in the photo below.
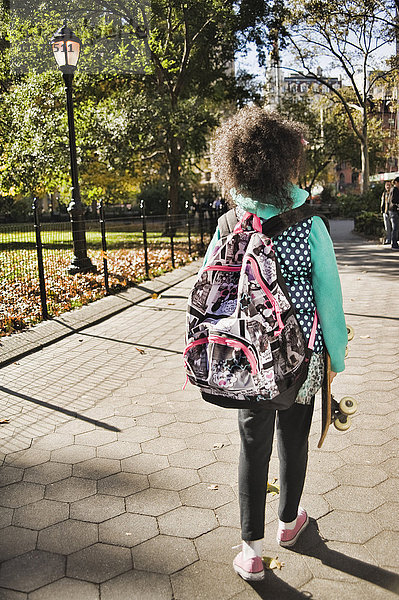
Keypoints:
(174, 176)
(364, 145)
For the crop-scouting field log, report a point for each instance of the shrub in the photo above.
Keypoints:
(369, 223)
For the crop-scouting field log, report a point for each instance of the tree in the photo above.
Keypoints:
(171, 68)
(350, 34)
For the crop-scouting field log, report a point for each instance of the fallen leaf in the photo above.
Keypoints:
(140, 350)
(364, 337)
(171, 303)
(272, 563)
(4, 421)
(154, 296)
(213, 486)
(272, 488)
(218, 446)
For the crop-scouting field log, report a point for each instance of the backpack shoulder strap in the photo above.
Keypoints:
(276, 225)
(227, 222)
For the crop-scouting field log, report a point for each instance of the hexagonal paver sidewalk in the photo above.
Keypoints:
(136, 495)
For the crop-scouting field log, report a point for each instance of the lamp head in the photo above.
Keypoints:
(66, 48)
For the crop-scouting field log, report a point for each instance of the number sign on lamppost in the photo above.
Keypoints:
(66, 48)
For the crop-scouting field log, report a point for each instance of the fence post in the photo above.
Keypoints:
(144, 230)
(188, 225)
(201, 223)
(39, 250)
(104, 244)
(171, 232)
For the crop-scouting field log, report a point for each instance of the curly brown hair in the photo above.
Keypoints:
(259, 154)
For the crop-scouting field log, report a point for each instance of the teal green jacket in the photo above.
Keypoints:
(325, 278)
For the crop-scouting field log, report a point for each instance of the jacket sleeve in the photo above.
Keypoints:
(212, 244)
(327, 293)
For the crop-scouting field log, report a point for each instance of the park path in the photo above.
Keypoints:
(116, 484)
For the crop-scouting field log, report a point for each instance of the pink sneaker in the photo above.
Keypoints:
(250, 569)
(289, 537)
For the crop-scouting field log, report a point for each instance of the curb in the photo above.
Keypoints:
(45, 333)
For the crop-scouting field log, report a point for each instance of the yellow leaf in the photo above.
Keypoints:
(154, 296)
(272, 488)
(140, 350)
(272, 563)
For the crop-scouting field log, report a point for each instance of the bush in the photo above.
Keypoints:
(351, 205)
(370, 224)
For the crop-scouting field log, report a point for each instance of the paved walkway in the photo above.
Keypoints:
(117, 485)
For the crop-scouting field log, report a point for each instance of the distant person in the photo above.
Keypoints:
(394, 214)
(385, 198)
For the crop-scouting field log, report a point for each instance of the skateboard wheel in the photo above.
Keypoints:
(342, 422)
(348, 406)
(346, 352)
(350, 331)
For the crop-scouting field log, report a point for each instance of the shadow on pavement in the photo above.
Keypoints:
(363, 256)
(61, 409)
(272, 587)
(312, 544)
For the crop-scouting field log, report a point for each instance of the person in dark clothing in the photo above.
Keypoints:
(394, 214)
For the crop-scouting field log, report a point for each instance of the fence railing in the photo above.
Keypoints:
(34, 260)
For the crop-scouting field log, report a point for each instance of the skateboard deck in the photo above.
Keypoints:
(331, 410)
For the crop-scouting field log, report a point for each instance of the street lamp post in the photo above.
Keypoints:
(66, 48)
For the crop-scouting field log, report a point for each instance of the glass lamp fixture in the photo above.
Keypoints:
(66, 48)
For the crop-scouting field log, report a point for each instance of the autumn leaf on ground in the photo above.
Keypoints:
(217, 446)
(140, 350)
(272, 488)
(213, 486)
(4, 421)
(272, 563)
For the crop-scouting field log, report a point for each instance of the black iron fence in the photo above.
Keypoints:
(34, 260)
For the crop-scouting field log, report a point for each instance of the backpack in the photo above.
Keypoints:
(244, 345)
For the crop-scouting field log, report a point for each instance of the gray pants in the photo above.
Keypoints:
(256, 428)
(388, 227)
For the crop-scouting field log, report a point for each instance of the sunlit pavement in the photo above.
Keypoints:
(116, 484)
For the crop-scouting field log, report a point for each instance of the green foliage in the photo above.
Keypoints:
(351, 205)
(369, 224)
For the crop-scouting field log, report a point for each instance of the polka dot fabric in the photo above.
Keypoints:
(293, 252)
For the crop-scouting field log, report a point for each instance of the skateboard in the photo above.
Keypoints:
(332, 411)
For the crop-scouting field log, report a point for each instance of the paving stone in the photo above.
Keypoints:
(155, 419)
(32, 570)
(118, 450)
(208, 441)
(20, 494)
(228, 454)
(73, 454)
(52, 441)
(10, 595)
(180, 430)
(5, 517)
(98, 563)
(220, 425)
(95, 438)
(153, 502)
(144, 586)
(391, 467)
(144, 463)
(163, 445)
(97, 508)
(316, 505)
(219, 545)
(351, 498)
(366, 476)
(133, 410)
(67, 589)
(138, 434)
(9, 475)
(47, 472)
(40, 514)
(219, 472)
(385, 548)
(71, 489)
(191, 458)
(96, 468)
(164, 554)
(326, 462)
(27, 458)
(228, 515)
(370, 455)
(74, 427)
(387, 515)
(128, 529)
(15, 541)
(173, 478)
(123, 484)
(348, 527)
(206, 577)
(203, 495)
(327, 589)
(67, 537)
(186, 521)
(322, 482)
(363, 438)
(194, 416)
